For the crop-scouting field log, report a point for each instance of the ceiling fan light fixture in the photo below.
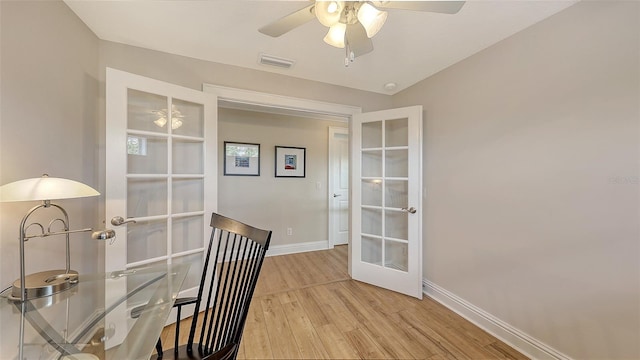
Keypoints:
(176, 123)
(335, 35)
(371, 18)
(329, 12)
(160, 122)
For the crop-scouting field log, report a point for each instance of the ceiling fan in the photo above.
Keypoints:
(352, 24)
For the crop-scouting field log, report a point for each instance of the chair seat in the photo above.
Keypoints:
(223, 354)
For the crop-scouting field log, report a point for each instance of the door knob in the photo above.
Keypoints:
(336, 195)
(119, 220)
(410, 210)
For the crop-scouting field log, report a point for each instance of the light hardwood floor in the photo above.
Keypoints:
(306, 307)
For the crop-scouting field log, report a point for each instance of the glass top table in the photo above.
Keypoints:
(117, 315)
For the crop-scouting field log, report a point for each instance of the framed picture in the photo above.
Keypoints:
(241, 159)
(290, 161)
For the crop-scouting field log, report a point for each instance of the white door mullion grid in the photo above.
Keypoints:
(383, 184)
(169, 182)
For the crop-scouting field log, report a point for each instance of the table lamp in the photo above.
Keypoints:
(45, 189)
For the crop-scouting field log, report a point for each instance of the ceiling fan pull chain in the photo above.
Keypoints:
(349, 56)
(346, 55)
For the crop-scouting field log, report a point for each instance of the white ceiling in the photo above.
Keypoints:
(410, 47)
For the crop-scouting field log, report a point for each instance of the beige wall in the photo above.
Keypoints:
(48, 124)
(531, 170)
(277, 203)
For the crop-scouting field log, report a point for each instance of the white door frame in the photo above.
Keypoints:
(281, 104)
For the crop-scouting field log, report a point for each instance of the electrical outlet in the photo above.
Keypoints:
(289, 231)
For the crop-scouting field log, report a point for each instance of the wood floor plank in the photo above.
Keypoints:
(504, 351)
(306, 337)
(330, 269)
(280, 335)
(310, 302)
(431, 338)
(363, 345)
(283, 272)
(334, 310)
(448, 318)
(389, 337)
(336, 343)
(269, 284)
(255, 342)
(457, 343)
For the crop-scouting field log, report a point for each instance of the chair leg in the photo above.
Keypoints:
(175, 345)
(159, 348)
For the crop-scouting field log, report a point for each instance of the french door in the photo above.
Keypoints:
(161, 163)
(387, 199)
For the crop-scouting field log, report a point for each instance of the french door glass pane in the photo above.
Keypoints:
(187, 233)
(396, 163)
(188, 157)
(145, 111)
(372, 135)
(188, 195)
(396, 224)
(372, 221)
(189, 118)
(146, 239)
(395, 194)
(372, 163)
(371, 250)
(372, 192)
(146, 197)
(146, 155)
(396, 132)
(395, 255)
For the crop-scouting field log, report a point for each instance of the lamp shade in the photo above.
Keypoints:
(44, 188)
(329, 12)
(335, 35)
(371, 18)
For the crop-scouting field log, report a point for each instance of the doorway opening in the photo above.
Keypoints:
(238, 102)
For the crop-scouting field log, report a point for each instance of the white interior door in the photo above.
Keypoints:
(161, 163)
(387, 199)
(338, 186)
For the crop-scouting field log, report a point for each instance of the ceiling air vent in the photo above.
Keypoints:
(271, 60)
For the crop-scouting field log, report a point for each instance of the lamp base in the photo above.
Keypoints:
(45, 283)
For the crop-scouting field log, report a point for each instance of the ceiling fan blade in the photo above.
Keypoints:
(357, 39)
(443, 7)
(289, 22)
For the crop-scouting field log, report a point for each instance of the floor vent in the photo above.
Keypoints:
(271, 60)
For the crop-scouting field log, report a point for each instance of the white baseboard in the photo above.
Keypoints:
(297, 248)
(529, 346)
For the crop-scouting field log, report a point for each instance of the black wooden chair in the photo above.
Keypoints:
(226, 288)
